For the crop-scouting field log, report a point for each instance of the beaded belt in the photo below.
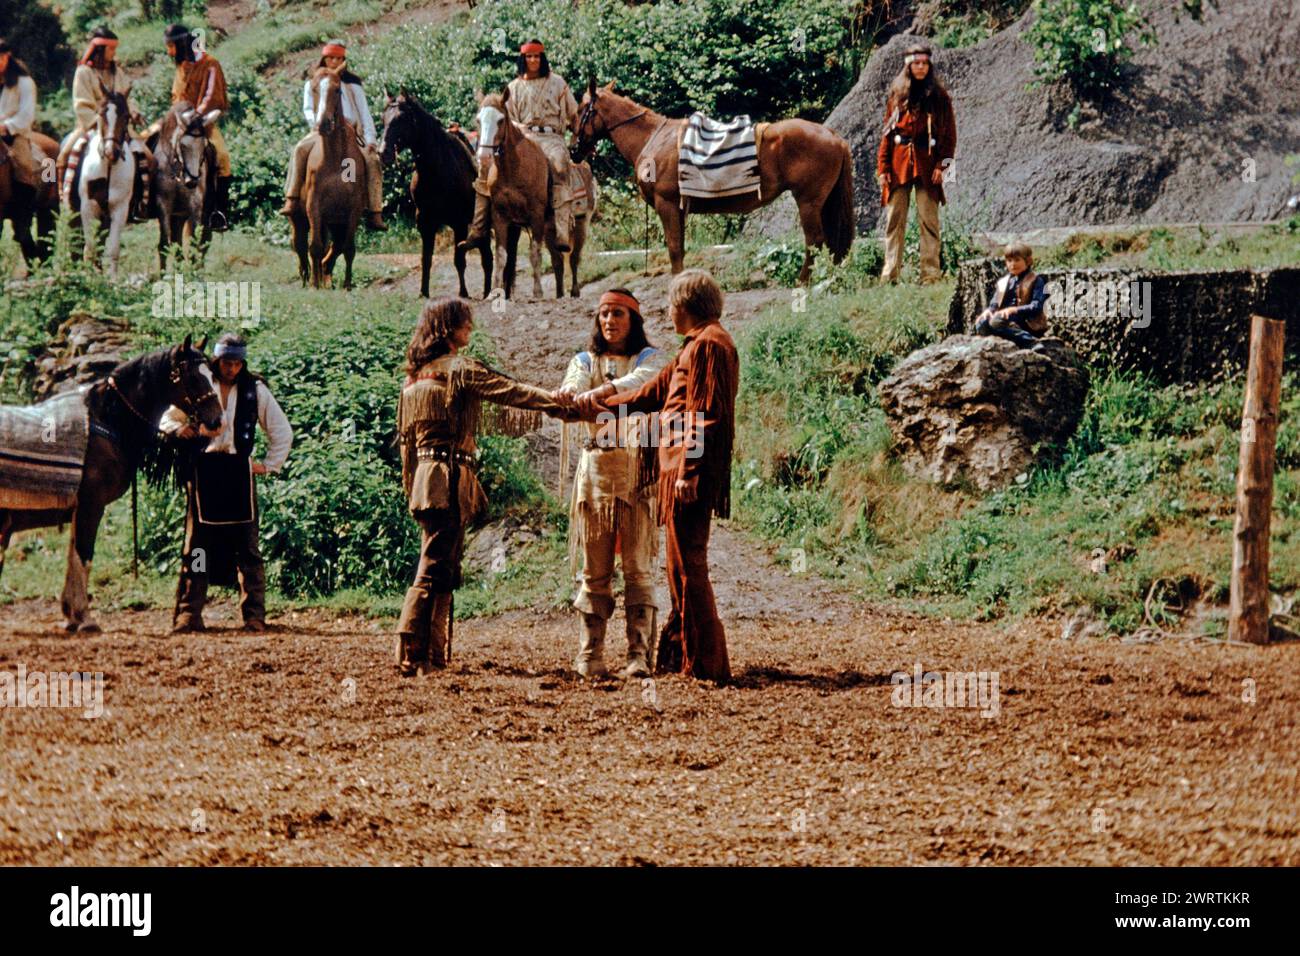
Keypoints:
(543, 129)
(445, 453)
(591, 444)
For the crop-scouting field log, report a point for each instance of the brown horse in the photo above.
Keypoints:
(20, 203)
(521, 178)
(806, 158)
(124, 411)
(183, 170)
(334, 190)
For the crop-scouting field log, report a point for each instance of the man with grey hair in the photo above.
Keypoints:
(221, 502)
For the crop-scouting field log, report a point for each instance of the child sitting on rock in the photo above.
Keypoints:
(1016, 310)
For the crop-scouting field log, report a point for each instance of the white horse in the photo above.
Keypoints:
(107, 178)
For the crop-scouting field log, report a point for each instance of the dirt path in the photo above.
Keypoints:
(301, 747)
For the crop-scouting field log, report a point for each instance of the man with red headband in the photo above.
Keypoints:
(543, 105)
(97, 74)
(611, 512)
(17, 113)
(695, 396)
(355, 111)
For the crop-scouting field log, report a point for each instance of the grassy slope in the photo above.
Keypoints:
(1148, 478)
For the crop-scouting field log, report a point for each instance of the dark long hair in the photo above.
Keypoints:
(438, 319)
(636, 338)
(908, 92)
(521, 67)
(16, 68)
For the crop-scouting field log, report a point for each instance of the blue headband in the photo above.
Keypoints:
(230, 351)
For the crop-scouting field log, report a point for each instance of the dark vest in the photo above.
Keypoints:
(245, 412)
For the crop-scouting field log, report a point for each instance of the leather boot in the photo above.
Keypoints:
(292, 207)
(563, 215)
(140, 210)
(219, 220)
(375, 221)
(411, 652)
(478, 229)
(591, 646)
(439, 633)
(252, 596)
(640, 632)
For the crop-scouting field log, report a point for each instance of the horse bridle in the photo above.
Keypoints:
(185, 404)
(126, 135)
(587, 113)
(178, 158)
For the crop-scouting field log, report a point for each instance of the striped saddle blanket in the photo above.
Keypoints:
(42, 451)
(717, 159)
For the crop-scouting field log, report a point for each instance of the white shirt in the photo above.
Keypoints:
(279, 433)
(355, 108)
(18, 106)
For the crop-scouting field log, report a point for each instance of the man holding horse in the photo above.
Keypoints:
(221, 527)
(541, 102)
(200, 81)
(356, 111)
(96, 77)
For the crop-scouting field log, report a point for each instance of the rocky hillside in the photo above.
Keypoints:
(1171, 146)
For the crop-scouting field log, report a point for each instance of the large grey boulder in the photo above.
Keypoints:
(974, 408)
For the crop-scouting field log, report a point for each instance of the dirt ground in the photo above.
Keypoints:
(301, 746)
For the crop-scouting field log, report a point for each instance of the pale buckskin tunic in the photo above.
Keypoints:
(607, 509)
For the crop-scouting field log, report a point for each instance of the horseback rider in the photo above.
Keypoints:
(543, 105)
(221, 511)
(201, 82)
(97, 75)
(17, 113)
(355, 111)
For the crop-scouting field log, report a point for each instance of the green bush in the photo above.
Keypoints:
(39, 41)
(1086, 42)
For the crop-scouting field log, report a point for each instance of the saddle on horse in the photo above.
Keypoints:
(70, 176)
(42, 453)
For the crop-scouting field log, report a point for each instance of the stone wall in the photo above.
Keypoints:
(1175, 326)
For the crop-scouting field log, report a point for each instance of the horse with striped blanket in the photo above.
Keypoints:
(808, 159)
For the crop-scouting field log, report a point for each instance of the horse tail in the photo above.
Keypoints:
(837, 212)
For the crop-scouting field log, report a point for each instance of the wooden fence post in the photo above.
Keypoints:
(1249, 597)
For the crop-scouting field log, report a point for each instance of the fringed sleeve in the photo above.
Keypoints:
(515, 408)
(406, 444)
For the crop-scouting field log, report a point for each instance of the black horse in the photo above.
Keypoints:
(124, 414)
(442, 185)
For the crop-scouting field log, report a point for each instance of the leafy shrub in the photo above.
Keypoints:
(39, 41)
(1085, 42)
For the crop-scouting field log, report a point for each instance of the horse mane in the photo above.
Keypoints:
(446, 150)
(159, 460)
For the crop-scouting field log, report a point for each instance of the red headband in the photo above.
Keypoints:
(619, 298)
(333, 49)
(532, 48)
(98, 41)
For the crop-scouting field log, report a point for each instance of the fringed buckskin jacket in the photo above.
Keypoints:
(608, 471)
(438, 416)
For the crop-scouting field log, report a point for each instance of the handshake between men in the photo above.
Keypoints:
(587, 405)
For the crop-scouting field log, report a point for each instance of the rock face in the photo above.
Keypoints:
(84, 351)
(1184, 326)
(972, 408)
(1198, 132)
